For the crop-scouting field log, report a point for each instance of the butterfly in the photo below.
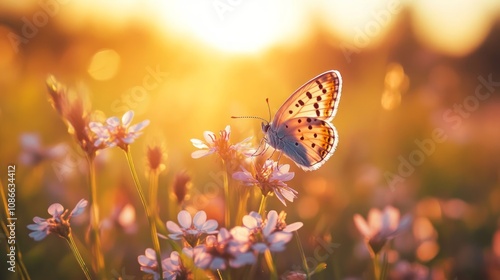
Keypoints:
(301, 127)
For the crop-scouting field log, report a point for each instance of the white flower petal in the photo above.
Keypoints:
(362, 226)
(209, 137)
(201, 153)
(184, 219)
(272, 219)
(138, 127)
(127, 118)
(55, 210)
(210, 226)
(260, 247)
(199, 144)
(250, 222)
(223, 235)
(79, 208)
(293, 227)
(113, 121)
(199, 219)
(218, 263)
(173, 227)
(242, 259)
(38, 235)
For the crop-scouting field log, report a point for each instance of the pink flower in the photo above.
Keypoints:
(149, 264)
(191, 229)
(406, 270)
(172, 267)
(116, 132)
(228, 248)
(272, 234)
(33, 152)
(270, 178)
(220, 145)
(58, 224)
(381, 226)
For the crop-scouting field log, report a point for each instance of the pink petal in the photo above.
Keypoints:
(199, 219)
(260, 247)
(173, 227)
(138, 127)
(209, 137)
(113, 121)
(280, 197)
(362, 226)
(240, 233)
(223, 235)
(150, 253)
(79, 208)
(199, 144)
(280, 236)
(201, 153)
(283, 177)
(184, 219)
(210, 226)
(127, 118)
(284, 168)
(272, 219)
(55, 209)
(250, 222)
(244, 176)
(375, 220)
(293, 227)
(390, 218)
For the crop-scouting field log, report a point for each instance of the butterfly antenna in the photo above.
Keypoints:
(249, 117)
(269, 109)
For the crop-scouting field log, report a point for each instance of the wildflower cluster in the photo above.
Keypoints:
(221, 249)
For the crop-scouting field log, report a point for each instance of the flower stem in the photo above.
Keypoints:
(262, 206)
(302, 255)
(78, 256)
(94, 220)
(242, 205)
(19, 259)
(376, 267)
(220, 274)
(270, 265)
(227, 200)
(149, 214)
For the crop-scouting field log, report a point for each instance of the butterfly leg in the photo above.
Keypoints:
(257, 153)
(278, 161)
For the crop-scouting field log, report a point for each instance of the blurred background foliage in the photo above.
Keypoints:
(187, 66)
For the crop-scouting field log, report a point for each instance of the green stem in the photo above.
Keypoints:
(242, 205)
(153, 192)
(270, 265)
(302, 255)
(19, 259)
(94, 220)
(78, 256)
(262, 206)
(376, 267)
(220, 275)
(385, 263)
(227, 199)
(149, 214)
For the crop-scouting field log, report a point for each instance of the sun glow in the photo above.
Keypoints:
(234, 26)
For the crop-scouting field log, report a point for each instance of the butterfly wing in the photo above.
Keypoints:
(301, 128)
(318, 98)
(309, 142)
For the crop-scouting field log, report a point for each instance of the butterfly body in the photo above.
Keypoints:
(301, 128)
